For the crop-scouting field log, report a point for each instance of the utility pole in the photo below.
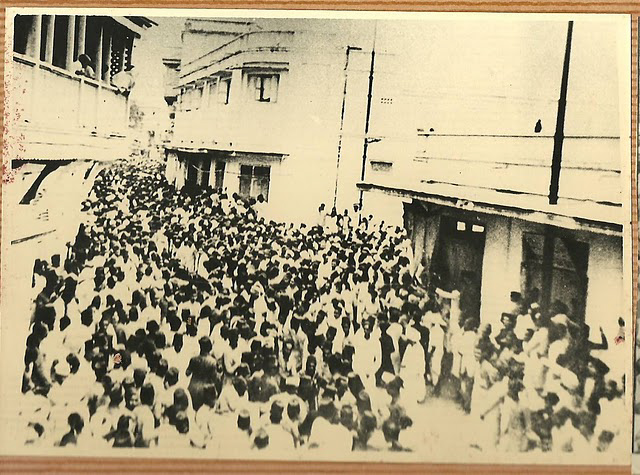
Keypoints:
(344, 103)
(558, 138)
(368, 117)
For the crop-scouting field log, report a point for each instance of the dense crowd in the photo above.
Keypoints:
(183, 318)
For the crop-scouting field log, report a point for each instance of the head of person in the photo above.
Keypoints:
(84, 60)
(132, 399)
(172, 376)
(182, 422)
(178, 342)
(293, 410)
(147, 395)
(310, 369)
(367, 327)
(261, 440)
(76, 422)
(180, 399)
(139, 376)
(275, 412)
(244, 421)
(116, 395)
(391, 431)
(604, 440)
(205, 345)
(345, 323)
(240, 385)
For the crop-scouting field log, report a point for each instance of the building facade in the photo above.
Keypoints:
(505, 196)
(58, 113)
(271, 111)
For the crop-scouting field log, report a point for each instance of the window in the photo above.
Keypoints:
(254, 181)
(224, 90)
(219, 175)
(191, 98)
(264, 87)
(22, 25)
(554, 269)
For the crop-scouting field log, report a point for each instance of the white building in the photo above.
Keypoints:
(272, 109)
(474, 183)
(461, 133)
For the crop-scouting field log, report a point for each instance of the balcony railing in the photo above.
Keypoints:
(51, 98)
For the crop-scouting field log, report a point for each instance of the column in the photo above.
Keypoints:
(71, 39)
(99, 54)
(35, 36)
(48, 54)
(235, 107)
(82, 34)
(235, 94)
(107, 67)
(34, 51)
(97, 109)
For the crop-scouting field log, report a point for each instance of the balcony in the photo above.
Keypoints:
(81, 117)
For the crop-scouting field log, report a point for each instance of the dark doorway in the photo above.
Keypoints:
(457, 260)
(192, 170)
(554, 269)
(198, 171)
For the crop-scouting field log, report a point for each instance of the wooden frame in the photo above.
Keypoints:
(119, 465)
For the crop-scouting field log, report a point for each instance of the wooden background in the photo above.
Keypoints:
(120, 465)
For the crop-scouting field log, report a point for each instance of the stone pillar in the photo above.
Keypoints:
(48, 52)
(35, 37)
(98, 57)
(82, 34)
(34, 52)
(71, 39)
(107, 66)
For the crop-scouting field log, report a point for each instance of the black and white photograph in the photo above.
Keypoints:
(335, 236)
(636, 365)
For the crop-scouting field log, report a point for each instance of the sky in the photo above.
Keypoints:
(499, 65)
(147, 57)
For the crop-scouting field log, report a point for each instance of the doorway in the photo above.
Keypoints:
(457, 260)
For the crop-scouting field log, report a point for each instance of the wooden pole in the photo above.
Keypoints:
(558, 138)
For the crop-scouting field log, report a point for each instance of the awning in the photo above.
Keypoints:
(590, 217)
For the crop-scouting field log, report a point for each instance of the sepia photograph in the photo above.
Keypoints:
(333, 236)
(636, 355)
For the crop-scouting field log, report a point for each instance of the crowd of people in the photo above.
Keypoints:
(183, 318)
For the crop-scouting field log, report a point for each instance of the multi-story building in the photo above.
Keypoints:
(525, 194)
(263, 109)
(508, 179)
(60, 125)
(56, 113)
